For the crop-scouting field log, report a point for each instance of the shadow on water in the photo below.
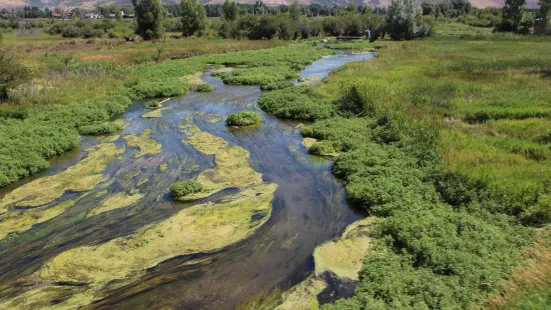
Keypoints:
(309, 207)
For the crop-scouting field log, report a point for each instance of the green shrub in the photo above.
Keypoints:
(243, 118)
(205, 88)
(153, 104)
(187, 187)
(277, 85)
(322, 148)
(99, 129)
(300, 102)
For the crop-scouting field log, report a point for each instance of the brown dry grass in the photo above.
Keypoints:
(533, 275)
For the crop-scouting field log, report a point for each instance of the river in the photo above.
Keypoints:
(309, 206)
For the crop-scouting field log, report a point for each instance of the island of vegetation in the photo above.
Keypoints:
(244, 118)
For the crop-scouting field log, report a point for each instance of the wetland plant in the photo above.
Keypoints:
(276, 85)
(244, 118)
(99, 129)
(205, 88)
(184, 188)
(153, 104)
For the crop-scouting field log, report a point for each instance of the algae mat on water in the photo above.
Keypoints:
(202, 228)
(78, 178)
(144, 143)
(232, 163)
(339, 260)
(117, 201)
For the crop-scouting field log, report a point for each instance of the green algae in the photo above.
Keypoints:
(303, 296)
(117, 201)
(201, 228)
(81, 177)
(232, 163)
(193, 79)
(153, 113)
(342, 257)
(23, 220)
(144, 143)
(163, 167)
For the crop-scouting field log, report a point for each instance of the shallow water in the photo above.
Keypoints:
(309, 207)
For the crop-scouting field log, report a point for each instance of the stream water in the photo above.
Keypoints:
(309, 207)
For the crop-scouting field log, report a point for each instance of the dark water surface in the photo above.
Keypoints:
(309, 206)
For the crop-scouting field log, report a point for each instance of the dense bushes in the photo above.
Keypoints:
(12, 72)
(99, 129)
(37, 134)
(206, 88)
(276, 85)
(243, 118)
(297, 102)
(152, 104)
(184, 188)
(91, 29)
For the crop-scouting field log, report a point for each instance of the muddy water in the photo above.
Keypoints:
(309, 207)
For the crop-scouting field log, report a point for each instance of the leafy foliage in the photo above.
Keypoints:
(205, 88)
(243, 118)
(300, 102)
(194, 18)
(187, 187)
(150, 16)
(403, 20)
(152, 104)
(12, 73)
(99, 129)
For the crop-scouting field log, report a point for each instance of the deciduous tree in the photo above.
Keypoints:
(150, 16)
(194, 18)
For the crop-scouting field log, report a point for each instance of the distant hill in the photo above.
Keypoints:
(92, 3)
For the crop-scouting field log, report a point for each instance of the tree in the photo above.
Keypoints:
(513, 11)
(229, 10)
(194, 17)
(403, 20)
(12, 73)
(543, 13)
(352, 8)
(294, 11)
(117, 11)
(150, 16)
